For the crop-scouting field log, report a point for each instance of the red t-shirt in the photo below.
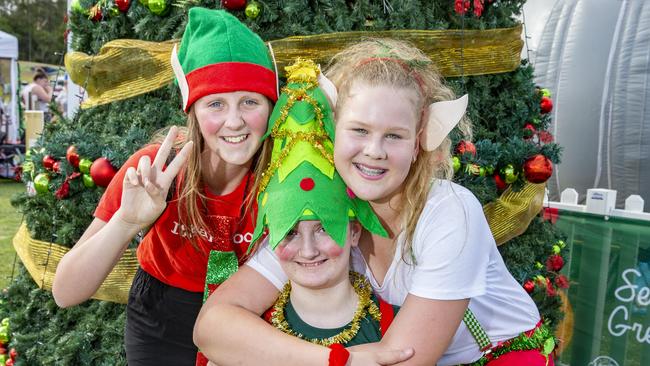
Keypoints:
(166, 253)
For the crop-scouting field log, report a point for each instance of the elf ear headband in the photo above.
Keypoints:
(180, 76)
(442, 117)
(328, 87)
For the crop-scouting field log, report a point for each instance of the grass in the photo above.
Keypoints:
(9, 223)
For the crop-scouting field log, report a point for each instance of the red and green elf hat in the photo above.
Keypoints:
(219, 54)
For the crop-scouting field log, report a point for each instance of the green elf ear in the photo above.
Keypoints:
(442, 118)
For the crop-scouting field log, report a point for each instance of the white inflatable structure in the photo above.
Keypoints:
(594, 56)
(9, 53)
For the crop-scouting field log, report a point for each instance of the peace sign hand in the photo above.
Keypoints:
(144, 191)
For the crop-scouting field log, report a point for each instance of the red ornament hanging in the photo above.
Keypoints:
(72, 156)
(478, 7)
(123, 5)
(461, 6)
(48, 162)
(56, 167)
(529, 131)
(561, 281)
(102, 172)
(529, 286)
(538, 169)
(63, 191)
(233, 4)
(546, 105)
(554, 263)
(501, 184)
(95, 13)
(465, 147)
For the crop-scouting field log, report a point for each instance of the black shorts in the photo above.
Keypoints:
(159, 323)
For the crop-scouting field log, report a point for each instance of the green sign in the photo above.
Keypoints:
(609, 269)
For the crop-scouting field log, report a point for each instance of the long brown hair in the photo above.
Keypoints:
(397, 64)
(189, 185)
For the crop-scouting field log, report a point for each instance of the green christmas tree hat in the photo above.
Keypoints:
(219, 54)
(300, 182)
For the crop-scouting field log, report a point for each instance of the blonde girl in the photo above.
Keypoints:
(460, 305)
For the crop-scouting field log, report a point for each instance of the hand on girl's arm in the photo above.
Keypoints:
(229, 330)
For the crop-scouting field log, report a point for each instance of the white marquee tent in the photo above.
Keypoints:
(9, 52)
(594, 55)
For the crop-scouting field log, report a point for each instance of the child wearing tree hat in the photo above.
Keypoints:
(313, 221)
(193, 204)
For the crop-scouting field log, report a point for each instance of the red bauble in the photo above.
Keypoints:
(529, 131)
(561, 281)
(13, 353)
(102, 172)
(96, 13)
(56, 167)
(465, 147)
(9, 362)
(72, 156)
(63, 191)
(538, 169)
(123, 5)
(529, 286)
(501, 184)
(546, 105)
(233, 4)
(554, 263)
(48, 162)
(550, 290)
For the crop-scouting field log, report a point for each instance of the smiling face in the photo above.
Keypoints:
(310, 257)
(232, 124)
(376, 140)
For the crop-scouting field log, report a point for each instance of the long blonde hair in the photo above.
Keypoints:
(397, 64)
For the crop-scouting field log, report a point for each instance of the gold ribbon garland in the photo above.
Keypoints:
(125, 68)
(41, 259)
(510, 214)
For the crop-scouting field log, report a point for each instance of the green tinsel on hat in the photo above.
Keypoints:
(301, 182)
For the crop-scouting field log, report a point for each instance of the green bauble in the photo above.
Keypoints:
(253, 10)
(556, 249)
(5, 322)
(456, 163)
(77, 8)
(41, 183)
(114, 12)
(84, 166)
(509, 174)
(88, 181)
(157, 7)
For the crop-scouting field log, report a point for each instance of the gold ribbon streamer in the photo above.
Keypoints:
(126, 68)
(41, 259)
(123, 68)
(510, 214)
(508, 217)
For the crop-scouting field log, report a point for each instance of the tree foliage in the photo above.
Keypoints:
(39, 26)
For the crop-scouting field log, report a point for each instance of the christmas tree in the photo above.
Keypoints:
(509, 157)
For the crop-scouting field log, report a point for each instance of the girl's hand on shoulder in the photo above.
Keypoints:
(144, 190)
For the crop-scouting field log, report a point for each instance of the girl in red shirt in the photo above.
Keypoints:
(228, 85)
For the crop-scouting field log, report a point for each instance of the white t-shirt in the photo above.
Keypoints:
(456, 258)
